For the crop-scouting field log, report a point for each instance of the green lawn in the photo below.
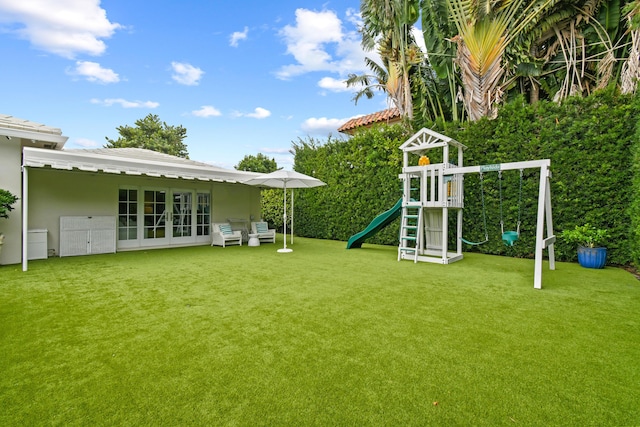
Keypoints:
(322, 336)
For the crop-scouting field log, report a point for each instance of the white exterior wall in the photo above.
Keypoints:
(56, 193)
(11, 180)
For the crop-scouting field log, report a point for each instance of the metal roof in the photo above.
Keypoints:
(131, 161)
(36, 132)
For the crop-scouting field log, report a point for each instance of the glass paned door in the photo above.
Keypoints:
(154, 217)
(127, 214)
(182, 215)
(155, 214)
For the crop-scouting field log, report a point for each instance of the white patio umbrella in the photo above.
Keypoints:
(285, 179)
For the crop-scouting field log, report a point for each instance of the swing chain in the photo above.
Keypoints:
(500, 199)
(520, 202)
(484, 212)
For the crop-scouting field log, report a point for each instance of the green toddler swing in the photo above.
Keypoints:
(508, 237)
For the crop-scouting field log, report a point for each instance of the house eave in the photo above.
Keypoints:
(92, 162)
(12, 127)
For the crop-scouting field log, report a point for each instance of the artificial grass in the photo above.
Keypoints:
(320, 336)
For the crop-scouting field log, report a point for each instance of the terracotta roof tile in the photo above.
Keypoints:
(390, 115)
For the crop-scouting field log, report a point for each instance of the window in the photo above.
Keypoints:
(127, 214)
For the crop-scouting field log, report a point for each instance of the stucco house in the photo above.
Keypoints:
(74, 202)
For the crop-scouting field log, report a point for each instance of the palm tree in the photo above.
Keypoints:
(438, 31)
(578, 46)
(485, 29)
(631, 68)
(387, 27)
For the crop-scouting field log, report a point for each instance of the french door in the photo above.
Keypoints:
(162, 217)
(154, 217)
(181, 217)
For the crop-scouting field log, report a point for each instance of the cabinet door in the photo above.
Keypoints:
(74, 242)
(103, 234)
(82, 235)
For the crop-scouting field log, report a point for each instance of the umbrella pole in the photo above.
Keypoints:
(292, 216)
(285, 249)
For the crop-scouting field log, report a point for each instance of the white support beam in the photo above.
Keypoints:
(25, 218)
(549, 219)
(530, 164)
(549, 241)
(537, 275)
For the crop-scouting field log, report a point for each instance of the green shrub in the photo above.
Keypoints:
(6, 203)
(585, 235)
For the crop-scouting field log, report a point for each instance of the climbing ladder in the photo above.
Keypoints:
(410, 231)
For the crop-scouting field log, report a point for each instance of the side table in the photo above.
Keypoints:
(253, 240)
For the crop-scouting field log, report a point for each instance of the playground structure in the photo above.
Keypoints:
(431, 191)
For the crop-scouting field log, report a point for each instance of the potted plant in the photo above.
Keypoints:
(6, 205)
(591, 253)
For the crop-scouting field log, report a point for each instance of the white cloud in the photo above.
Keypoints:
(186, 74)
(237, 36)
(207, 111)
(419, 38)
(334, 85)
(124, 103)
(268, 150)
(63, 27)
(322, 125)
(94, 72)
(354, 17)
(318, 42)
(259, 113)
(86, 143)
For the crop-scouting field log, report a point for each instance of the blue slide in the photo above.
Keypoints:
(378, 223)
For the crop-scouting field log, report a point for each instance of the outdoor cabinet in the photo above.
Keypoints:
(84, 235)
(37, 246)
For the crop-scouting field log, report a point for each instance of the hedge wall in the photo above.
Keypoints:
(591, 143)
(362, 181)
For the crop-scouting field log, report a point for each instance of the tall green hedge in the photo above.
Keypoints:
(362, 181)
(591, 142)
(634, 209)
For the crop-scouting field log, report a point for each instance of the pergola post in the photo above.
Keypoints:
(25, 218)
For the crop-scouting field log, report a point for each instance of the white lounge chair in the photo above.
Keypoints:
(223, 235)
(265, 234)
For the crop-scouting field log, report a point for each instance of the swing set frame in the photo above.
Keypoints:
(509, 237)
(433, 189)
(544, 214)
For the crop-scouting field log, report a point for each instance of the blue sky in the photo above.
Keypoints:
(243, 77)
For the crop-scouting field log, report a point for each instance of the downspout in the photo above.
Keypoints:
(25, 216)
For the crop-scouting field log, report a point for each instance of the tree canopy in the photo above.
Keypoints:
(482, 53)
(152, 134)
(259, 163)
